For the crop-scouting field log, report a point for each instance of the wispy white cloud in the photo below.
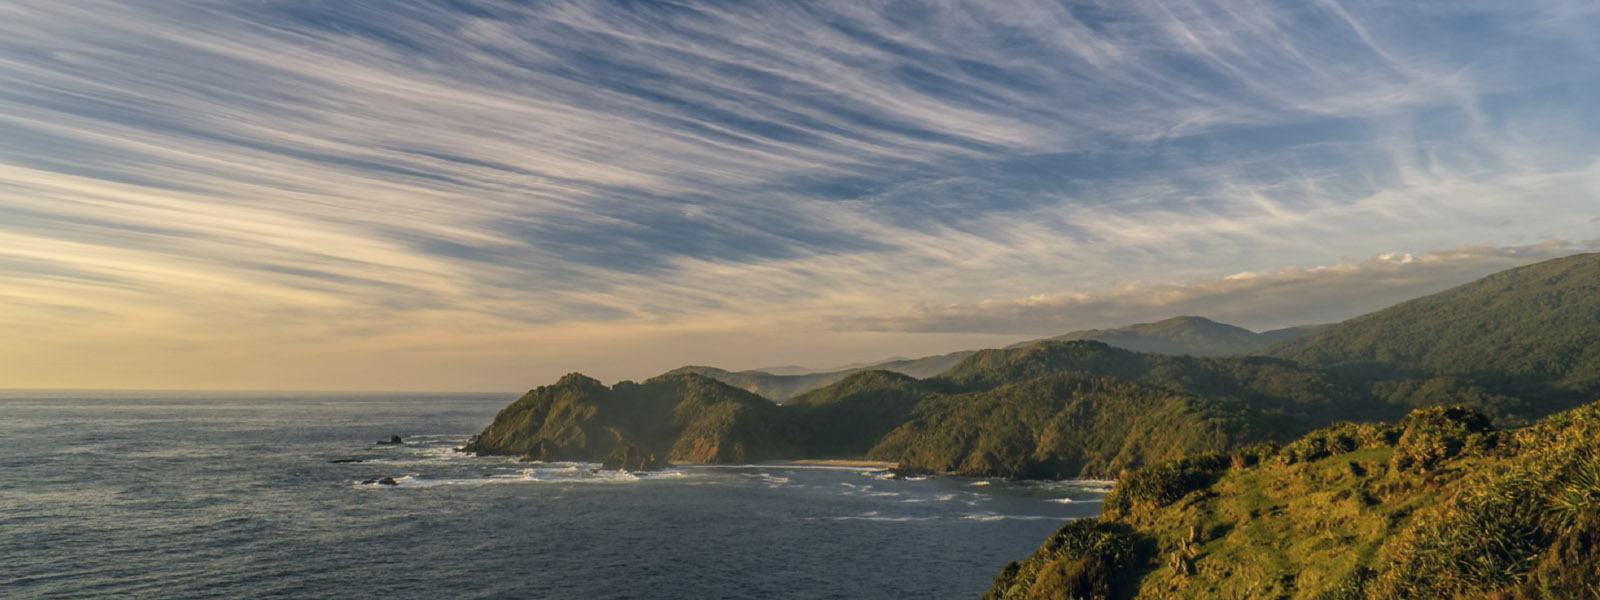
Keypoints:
(198, 174)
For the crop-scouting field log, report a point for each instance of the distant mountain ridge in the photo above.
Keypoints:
(1184, 335)
(1177, 336)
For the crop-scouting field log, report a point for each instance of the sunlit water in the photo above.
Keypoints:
(211, 495)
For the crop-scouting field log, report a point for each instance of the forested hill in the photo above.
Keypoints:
(1514, 346)
(1178, 336)
(1530, 332)
(682, 418)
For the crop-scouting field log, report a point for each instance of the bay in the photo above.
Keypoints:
(233, 495)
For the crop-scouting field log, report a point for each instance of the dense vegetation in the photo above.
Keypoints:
(846, 419)
(1062, 425)
(681, 417)
(1529, 333)
(1439, 506)
(1084, 408)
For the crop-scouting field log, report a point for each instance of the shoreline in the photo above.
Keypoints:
(829, 462)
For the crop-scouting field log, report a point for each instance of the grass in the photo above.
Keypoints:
(1441, 506)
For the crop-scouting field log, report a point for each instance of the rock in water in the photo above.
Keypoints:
(628, 457)
(387, 481)
(393, 439)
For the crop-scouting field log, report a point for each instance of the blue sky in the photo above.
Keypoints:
(485, 195)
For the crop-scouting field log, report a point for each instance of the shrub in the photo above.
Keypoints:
(1338, 438)
(1484, 538)
(1163, 483)
(1251, 455)
(1436, 433)
(1085, 558)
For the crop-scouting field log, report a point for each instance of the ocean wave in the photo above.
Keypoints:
(938, 498)
(988, 516)
(876, 516)
(528, 476)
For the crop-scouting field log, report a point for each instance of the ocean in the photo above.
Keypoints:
(235, 495)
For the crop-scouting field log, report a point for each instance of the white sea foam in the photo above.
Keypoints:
(988, 516)
(886, 519)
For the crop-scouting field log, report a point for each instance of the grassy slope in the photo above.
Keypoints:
(1438, 508)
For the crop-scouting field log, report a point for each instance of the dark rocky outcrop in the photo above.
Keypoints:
(628, 457)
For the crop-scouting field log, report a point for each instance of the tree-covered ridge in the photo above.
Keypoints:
(846, 419)
(1300, 395)
(1063, 425)
(681, 418)
(1438, 506)
(1531, 331)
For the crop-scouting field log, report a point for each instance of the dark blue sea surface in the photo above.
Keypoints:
(232, 495)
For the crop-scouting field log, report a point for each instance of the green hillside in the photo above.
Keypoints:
(680, 418)
(847, 418)
(1063, 425)
(1439, 506)
(1298, 394)
(1531, 332)
(1084, 408)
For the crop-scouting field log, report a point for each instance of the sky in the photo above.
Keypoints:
(483, 195)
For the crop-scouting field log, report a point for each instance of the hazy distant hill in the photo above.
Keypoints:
(780, 388)
(1531, 331)
(1194, 336)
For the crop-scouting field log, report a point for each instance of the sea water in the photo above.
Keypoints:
(234, 495)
